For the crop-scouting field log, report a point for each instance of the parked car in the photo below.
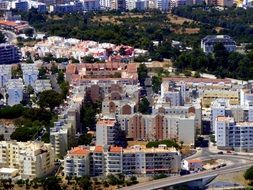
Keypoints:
(220, 152)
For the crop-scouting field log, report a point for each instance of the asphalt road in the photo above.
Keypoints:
(9, 35)
(170, 181)
(240, 163)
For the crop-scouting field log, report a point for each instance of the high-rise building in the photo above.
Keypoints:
(9, 54)
(30, 74)
(15, 89)
(106, 129)
(233, 135)
(5, 74)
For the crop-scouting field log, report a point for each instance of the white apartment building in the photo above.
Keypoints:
(186, 110)
(32, 159)
(15, 89)
(42, 85)
(77, 162)
(60, 137)
(158, 127)
(5, 74)
(105, 131)
(222, 107)
(230, 134)
(141, 160)
(104, 160)
(30, 74)
(130, 4)
(246, 97)
(162, 5)
(175, 93)
(105, 4)
(137, 4)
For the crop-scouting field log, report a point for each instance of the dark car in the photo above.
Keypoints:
(184, 172)
(220, 152)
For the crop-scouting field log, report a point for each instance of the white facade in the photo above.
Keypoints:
(105, 132)
(163, 5)
(30, 74)
(130, 4)
(104, 160)
(77, 162)
(60, 136)
(42, 85)
(105, 4)
(15, 89)
(222, 107)
(32, 159)
(186, 130)
(5, 74)
(234, 135)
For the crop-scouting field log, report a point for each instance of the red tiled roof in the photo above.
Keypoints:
(79, 151)
(106, 122)
(115, 149)
(194, 161)
(8, 23)
(98, 149)
(71, 69)
(132, 68)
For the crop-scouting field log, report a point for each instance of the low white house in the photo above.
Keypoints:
(192, 165)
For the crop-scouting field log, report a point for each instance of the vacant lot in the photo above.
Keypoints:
(186, 31)
(115, 19)
(236, 177)
(178, 20)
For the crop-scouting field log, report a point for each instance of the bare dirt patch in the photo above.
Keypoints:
(178, 20)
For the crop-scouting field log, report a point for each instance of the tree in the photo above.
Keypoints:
(89, 59)
(16, 72)
(133, 180)
(2, 38)
(85, 183)
(142, 73)
(156, 84)
(221, 55)
(248, 175)
(65, 89)
(23, 134)
(144, 106)
(42, 73)
(30, 89)
(169, 143)
(122, 51)
(29, 32)
(85, 139)
(52, 183)
(181, 143)
(54, 68)
(60, 78)
(49, 99)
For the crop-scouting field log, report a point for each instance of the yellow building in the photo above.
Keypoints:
(211, 95)
(32, 159)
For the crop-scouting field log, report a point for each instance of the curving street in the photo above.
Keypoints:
(239, 163)
(10, 36)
